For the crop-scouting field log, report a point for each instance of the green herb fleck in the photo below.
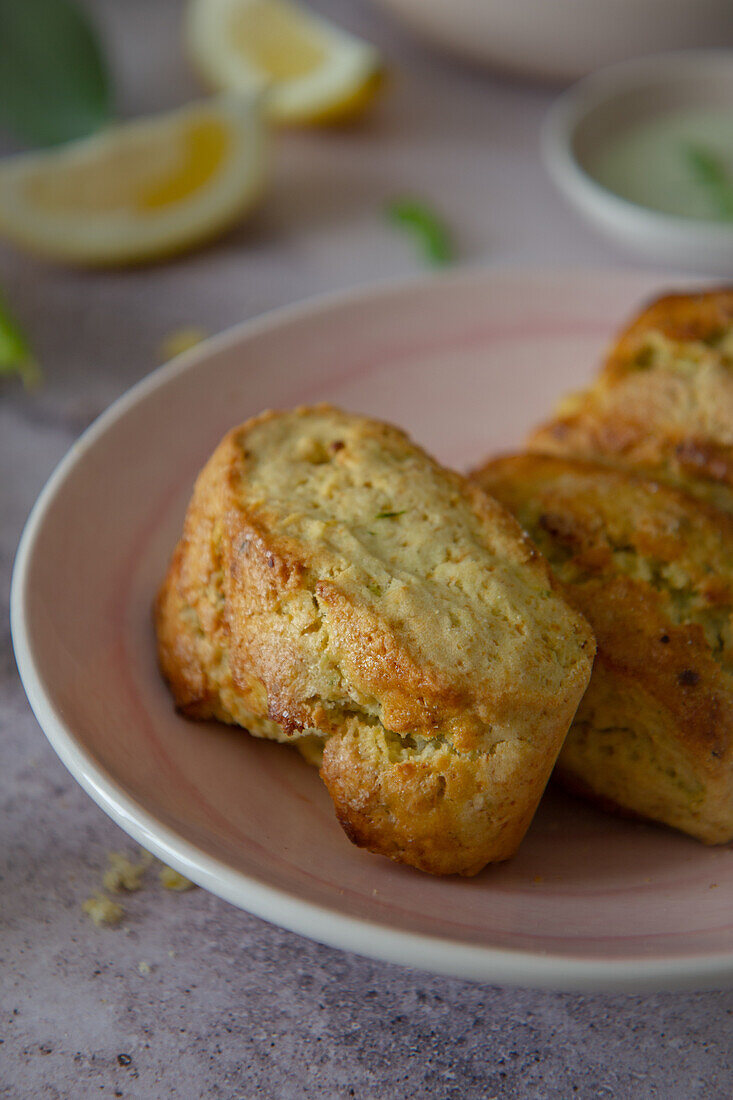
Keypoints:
(15, 354)
(711, 172)
(54, 84)
(427, 227)
(389, 515)
(644, 357)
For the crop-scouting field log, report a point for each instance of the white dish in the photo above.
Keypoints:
(565, 39)
(594, 110)
(466, 363)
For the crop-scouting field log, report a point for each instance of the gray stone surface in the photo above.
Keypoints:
(233, 1007)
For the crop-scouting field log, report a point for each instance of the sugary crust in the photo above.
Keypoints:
(333, 582)
(663, 402)
(652, 570)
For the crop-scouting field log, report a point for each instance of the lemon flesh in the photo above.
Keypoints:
(140, 190)
(311, 70)
(276, 40)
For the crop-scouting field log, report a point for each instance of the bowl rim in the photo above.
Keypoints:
(585, 192)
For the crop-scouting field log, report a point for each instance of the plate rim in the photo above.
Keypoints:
(441, 955)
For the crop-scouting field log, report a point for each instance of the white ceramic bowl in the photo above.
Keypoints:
(565, 39)
(596, 109)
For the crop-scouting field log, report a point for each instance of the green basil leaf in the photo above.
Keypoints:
(427, 227)
(711, 173)
(54, 84)
(15, 354)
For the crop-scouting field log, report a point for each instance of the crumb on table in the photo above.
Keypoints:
(123, 874)
(174, 880)
(102, 910)
(180, 340)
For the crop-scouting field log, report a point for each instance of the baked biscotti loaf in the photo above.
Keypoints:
(663, 403)
(335, 586)
(651, 568)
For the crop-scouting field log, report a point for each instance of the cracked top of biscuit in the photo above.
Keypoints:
(343, 570)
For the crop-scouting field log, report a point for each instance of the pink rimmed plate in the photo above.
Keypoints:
(466, 363)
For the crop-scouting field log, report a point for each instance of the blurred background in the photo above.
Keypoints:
(455, 126)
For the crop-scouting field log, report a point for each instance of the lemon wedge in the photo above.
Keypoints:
(313, 71)
(140, 190)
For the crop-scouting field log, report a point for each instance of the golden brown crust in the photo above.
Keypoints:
(651, 569)
(333, 582)
(663, 402)
(683, 317)
(435, 792)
